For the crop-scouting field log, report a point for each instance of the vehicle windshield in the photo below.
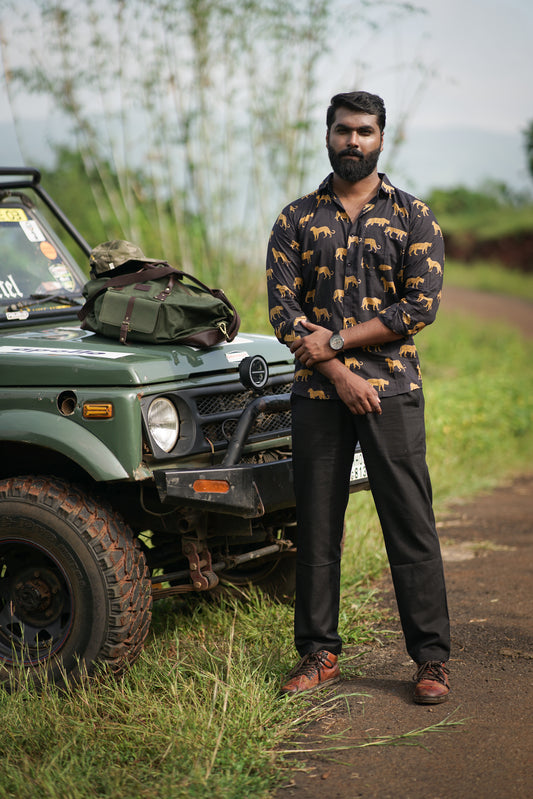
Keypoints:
(37, 275)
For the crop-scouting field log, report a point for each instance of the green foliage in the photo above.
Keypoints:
(64, 183)
(461, 200)
(179, 89)
(528, 140)
(194, 717)
(158, 234)
(488, 213)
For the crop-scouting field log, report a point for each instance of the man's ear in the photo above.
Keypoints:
(382, 137)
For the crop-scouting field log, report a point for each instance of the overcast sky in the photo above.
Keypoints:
(467, 117)
(482, 54)
(466, 120)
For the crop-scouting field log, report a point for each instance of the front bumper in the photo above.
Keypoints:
(240, 489)
(246, 490)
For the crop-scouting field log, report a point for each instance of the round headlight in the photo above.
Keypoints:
(253, 372)
(163, 423)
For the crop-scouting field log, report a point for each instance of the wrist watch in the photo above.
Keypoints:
(336, 342)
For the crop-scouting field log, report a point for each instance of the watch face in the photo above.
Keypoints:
(253, 372)
(336, 342)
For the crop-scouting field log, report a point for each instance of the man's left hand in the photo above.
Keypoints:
(313, 348)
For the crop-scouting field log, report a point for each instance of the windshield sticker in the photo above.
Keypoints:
(22, 315)
(9, 289)
(53, 351)
(63, 275)
(48, 250)
(12, 215)
(32, 230)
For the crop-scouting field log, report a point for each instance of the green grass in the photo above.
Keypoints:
(479, 394)
(198, 715)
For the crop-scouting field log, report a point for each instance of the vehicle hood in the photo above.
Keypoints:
(67, 355)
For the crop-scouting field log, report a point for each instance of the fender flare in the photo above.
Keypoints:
(65, 436)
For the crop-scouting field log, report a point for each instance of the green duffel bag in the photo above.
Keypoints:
(153, 302)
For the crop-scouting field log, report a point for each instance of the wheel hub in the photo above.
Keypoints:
(37, 596)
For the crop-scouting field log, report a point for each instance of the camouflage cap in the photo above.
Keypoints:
(111, 254)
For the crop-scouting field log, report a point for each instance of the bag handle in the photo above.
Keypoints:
(235, 323)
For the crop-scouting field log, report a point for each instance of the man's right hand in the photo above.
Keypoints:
(357, 394)
(354, 391)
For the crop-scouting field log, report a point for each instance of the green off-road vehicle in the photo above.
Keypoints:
(128, 473)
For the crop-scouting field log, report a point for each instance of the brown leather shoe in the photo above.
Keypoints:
(432, 685)
(314, 670)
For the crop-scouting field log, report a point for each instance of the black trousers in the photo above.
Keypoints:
(325, 434)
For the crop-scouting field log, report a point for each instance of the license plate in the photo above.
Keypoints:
(358, 468)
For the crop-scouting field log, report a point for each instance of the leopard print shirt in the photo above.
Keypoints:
(323, 267)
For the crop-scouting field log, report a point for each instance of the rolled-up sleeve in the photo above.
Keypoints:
(420, 278)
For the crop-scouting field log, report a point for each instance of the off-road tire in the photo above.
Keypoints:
(74, 585)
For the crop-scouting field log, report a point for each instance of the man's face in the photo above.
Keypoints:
(354, 144)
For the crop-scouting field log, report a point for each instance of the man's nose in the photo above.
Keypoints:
(353, 139)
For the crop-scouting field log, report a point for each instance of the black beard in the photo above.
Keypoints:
(353, 169)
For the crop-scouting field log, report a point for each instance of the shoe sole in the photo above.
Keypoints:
(317, 687)
(423, 700)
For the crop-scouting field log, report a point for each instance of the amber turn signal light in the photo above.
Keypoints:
(211, 486)
(97, 410)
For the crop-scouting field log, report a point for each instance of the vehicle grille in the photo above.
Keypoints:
(219, 413)
(219, 403)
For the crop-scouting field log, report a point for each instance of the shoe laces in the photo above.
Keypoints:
(432, 670)
(310, 664)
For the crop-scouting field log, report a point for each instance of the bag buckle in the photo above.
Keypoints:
(223, 327)
(125, 326)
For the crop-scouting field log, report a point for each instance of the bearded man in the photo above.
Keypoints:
(364, 259)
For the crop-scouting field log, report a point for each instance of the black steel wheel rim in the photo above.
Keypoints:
(36, 603)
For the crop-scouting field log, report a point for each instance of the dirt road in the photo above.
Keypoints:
(510, 310)
(488, 552)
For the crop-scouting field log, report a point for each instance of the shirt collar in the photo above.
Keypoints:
(386, 189)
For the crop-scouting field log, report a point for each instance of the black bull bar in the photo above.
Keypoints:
(248, 490)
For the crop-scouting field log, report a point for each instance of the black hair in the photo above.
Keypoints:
(358, 101)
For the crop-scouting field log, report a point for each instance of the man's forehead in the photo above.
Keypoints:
(354, 119)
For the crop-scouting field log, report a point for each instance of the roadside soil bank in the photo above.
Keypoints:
(488, 553)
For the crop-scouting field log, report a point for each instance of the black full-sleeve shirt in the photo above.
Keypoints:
(323, 267)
